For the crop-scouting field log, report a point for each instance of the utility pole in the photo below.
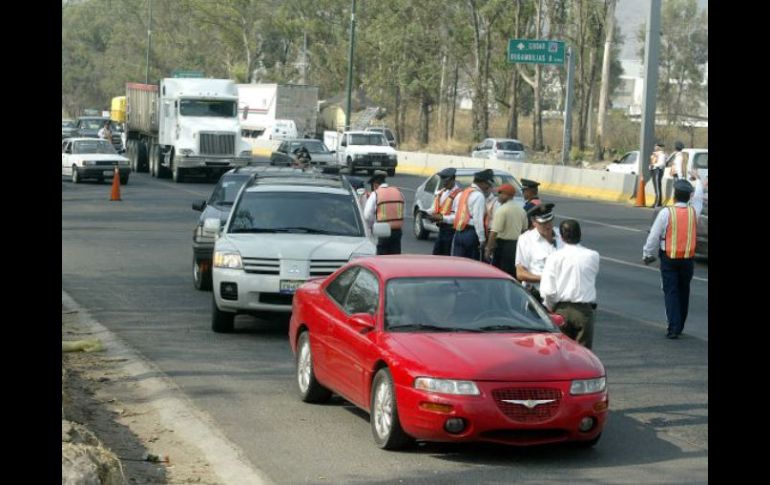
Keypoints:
(651, 49)
(149, 46)
(567, 145)
(303, 64)
(350, 61)
(601, 124)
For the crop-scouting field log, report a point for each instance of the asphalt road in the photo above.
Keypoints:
(129, 263)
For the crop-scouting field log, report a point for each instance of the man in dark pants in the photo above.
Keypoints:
(673, 236)
(657, 165)
(470, 216)
(443, 204)
(385, 204)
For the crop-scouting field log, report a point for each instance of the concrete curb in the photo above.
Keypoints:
(177, 411)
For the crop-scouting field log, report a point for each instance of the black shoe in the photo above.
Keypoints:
(672, 335)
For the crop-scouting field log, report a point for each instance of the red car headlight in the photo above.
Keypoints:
(446, 386)
(588, 386)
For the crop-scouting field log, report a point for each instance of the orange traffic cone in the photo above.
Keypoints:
(115, 185)
(641, 200)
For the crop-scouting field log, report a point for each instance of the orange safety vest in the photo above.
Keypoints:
(463, 214)
(446, 208)
(680, 233)
(390, 206)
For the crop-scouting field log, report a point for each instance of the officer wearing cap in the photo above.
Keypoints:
(673, 236)
(470, 216)
(509, 223)
(385, 204)
(443, 204)
(535, 246)
(531, 199)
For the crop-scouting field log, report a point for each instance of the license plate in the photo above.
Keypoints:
(376, 164)
(289, 286)
(108, 172)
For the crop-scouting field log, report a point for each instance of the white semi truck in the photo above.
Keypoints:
(268, 111)
(184, 127)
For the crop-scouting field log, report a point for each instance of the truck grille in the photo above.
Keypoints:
(217, 144)
(262, 266)
(520, 412)
(377, 157)
(325, 267)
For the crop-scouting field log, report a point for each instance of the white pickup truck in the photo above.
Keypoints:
(363, 150)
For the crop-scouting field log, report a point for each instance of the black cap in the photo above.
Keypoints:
(682, 185)
(529, 184)
(679, 145)
(486, 175)
(447, 172)
(377, 176)
(542, 212)
(660, 144)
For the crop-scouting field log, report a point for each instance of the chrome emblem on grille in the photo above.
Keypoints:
(528, 403)
(294, 270)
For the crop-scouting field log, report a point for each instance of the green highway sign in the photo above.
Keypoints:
(535, 51)
(179, 73)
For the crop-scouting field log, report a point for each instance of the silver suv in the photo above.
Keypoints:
(286, 226)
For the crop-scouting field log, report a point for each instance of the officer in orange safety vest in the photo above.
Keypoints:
(385, 204)
(673, 237)
(443, 204)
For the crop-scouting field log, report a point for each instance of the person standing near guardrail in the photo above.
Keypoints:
(657, 165)
(673, 236)
(443, 204)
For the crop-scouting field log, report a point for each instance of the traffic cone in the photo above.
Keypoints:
(640, 198)
(115, 185)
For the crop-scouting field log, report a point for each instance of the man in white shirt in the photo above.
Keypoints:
(104, 132)
(657, 165)
(674, 241)
(568, 284)
(469, 216)
(535, 246)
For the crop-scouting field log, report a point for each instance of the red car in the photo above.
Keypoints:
(448, 349)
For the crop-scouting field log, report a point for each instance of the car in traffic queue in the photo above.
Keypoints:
(628, 163)
(286, 226)
(89, 126)
(426, 192)
(508, 149)
(439, 348)
(702, 230)
(218, 205)
(92, 158)
(68, 129)
(319, 153)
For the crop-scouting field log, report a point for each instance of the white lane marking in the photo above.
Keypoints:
(649, 268)
(624, 228)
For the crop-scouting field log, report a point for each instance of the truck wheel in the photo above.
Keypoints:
(75, 175)
(202, 275)
(178, 175)
(221, 322)
(419, 228)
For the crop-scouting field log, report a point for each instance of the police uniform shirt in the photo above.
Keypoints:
(678, 164)
(569, 275)
(656, 239)
(660, 159)
(533, 249)
(476, 206)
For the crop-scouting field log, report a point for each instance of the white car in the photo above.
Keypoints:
(500, 149)
(286, 226)
(628, 163)
(364, 150)
(84, 158)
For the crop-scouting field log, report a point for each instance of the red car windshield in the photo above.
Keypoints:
(462, 304)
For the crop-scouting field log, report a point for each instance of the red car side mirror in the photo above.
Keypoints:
(557, 319)
(362, 321)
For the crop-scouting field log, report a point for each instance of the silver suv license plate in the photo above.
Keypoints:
(289, 286)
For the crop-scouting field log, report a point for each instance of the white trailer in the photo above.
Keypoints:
(261, 105)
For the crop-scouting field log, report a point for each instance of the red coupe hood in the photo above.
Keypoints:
(496, 356)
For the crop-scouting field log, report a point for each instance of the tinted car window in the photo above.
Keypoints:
(312, 146)
(197, 107)
(701, 160)
(375, 139)
(227, 188)
(432, 184)
(67, 124)
(364, 294)
(95, 124)
(338, 288)
(510, 146)
(297, 212)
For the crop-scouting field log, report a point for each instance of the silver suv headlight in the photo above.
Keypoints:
(227, 259)
(588, 386)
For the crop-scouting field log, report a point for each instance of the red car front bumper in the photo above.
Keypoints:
(488, 418)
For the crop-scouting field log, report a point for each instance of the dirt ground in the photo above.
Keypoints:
(104, 398)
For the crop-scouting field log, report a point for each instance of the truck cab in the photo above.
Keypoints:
(363, 150)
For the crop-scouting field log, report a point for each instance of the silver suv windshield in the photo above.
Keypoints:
(296, 212)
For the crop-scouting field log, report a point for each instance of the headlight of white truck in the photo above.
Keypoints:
(227, 259)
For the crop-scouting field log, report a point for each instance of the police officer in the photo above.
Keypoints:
(385, 204)
(535, 246)
(531, 199)
(470, 216)
(442, 206)
(673, 236)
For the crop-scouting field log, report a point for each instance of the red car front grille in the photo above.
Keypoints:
(528, 411)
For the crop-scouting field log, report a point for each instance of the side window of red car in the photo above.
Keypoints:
(364, 294)
(338, 288)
